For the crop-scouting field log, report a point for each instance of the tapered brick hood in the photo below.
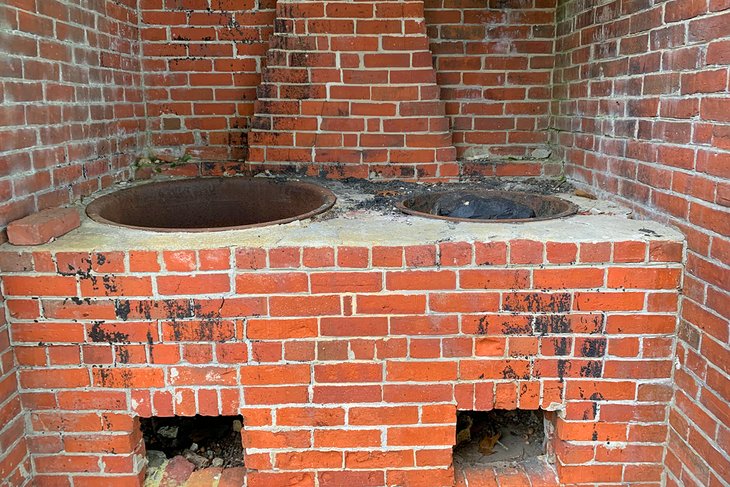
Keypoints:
(350, 88)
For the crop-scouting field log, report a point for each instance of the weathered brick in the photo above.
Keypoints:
(39, 228)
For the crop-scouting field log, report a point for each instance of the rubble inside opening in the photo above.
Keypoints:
(203, 441)
(498, 436)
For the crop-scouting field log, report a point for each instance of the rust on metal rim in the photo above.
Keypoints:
(545, 207)
(211, 204)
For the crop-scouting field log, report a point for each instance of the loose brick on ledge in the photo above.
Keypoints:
(42, 227)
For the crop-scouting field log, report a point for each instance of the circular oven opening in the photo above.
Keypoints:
(211, 204)
(488, 206)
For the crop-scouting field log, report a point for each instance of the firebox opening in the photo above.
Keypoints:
(498, 436)
(197, 442)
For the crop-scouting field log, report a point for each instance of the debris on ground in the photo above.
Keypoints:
(381, 196)
(200, 440)
(585, 194)
(498, 436)
(472, 206)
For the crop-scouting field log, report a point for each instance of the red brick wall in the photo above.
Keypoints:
(70, 119)
(202, 66)
(494, 60)
(347, 363)
(642, 97)
(71, 101)
(14, 460)
(493, 64)
(350, 91)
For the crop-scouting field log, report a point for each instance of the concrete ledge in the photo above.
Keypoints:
(346, 225)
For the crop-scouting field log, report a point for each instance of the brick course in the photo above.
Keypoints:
(358, 361)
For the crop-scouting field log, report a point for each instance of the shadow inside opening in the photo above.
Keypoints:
(204, 441)
(498, 436)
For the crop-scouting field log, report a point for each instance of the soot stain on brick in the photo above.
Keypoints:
(109, 283)
(123, 355)
(98, 334)
(78, 301)
(594, 436)
(483, 325)
(209, 321)
(561, 302)
(561, 346)
(219, 168)
(596, 397)
(563, 367)
(202, 330)
(122, 309)
(176, 330)
(193, 331)
(100, 259)
(93, 279)
(283, 26)
(73, 271)
(512, 328)
(599, 322)
(594, 347)
(509, 373)
(177, 309)
(206, 329)
(538, 302)
(545, 324)
(591, 369)
(144, 308)
(104, 377)
(115, 377)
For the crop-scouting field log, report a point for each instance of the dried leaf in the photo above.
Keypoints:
(464, 434)
(585, 194)
(486, 445)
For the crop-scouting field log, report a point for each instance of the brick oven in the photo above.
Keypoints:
(349, 346)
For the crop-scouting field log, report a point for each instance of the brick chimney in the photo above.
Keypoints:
(349, 90)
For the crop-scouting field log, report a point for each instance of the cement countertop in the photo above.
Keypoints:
(345, 226)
